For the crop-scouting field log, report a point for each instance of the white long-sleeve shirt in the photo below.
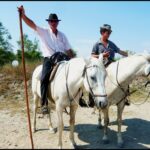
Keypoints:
(50, 43)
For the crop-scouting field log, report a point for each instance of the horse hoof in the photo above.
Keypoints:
(74, 146)
(120, 145)
(41, 116)
(106, 141)
(93, 113)
(34, 130)
(59, 147)
(53, 130)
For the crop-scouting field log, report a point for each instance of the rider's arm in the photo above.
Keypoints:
(28, 21)
(123, 53)
(117, 50)
(95, 52)
(67, 46)
(70, 53)
(96, 56)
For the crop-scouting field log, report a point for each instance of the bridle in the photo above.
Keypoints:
(126, 93)
(91, 91)
(83, 75)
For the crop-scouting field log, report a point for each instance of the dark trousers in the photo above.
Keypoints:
(47, 67)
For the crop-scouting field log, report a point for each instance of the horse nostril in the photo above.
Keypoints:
(102, 104)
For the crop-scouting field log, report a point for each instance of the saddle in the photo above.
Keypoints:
(51, 77)
(56, 59)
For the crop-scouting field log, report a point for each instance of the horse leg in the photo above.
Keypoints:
(72, 122)
(35, 106)
(59, 111)
(106, 122)
(120, 109)
(99, 119)
(94, 110)
(51, 129)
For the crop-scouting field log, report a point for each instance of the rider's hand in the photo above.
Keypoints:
(21, 10)
(106, 54)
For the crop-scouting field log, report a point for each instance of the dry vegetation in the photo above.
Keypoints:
(12, 86)
(9, 74)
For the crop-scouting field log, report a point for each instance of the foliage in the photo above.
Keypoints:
(6, 53)
(4, 38)
(31, 49)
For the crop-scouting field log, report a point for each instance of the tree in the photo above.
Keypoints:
(4, 38)
(31, 49)
(6, 53)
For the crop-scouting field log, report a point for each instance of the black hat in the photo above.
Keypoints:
(107, 27)
(53, 17)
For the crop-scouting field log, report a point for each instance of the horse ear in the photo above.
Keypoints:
(87, 61)
(101, 58)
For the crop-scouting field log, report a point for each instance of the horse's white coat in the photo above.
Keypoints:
(129, 68)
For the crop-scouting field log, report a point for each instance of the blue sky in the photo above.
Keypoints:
(130, 22)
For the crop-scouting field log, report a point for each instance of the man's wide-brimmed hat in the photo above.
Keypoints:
(53, 17)
(107, 27)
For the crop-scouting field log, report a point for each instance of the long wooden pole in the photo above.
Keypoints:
(25, 81)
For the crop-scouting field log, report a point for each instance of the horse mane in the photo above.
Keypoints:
(146, 55)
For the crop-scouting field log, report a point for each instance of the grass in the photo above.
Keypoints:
(11, 86)
(9, 74)
(17, 72)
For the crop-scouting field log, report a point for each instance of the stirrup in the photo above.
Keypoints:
(127, 103)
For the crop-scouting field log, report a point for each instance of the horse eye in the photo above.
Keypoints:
(93, 78)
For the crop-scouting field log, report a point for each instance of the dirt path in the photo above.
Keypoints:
(14, 131)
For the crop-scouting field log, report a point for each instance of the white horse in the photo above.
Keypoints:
(66, 89)
(119, 75)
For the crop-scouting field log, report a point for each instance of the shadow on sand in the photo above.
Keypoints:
(136, 134)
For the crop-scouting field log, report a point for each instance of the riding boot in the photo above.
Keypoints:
(44, 85)
(127, 102)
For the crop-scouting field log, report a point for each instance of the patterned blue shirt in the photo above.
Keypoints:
(100, 48)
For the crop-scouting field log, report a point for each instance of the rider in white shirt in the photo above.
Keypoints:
(52, 41)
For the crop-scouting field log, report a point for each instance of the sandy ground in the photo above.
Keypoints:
(14, 128)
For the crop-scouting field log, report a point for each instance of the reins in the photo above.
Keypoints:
(126, 93)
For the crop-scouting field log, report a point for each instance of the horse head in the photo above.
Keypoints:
(94, 80)
(145, 69)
